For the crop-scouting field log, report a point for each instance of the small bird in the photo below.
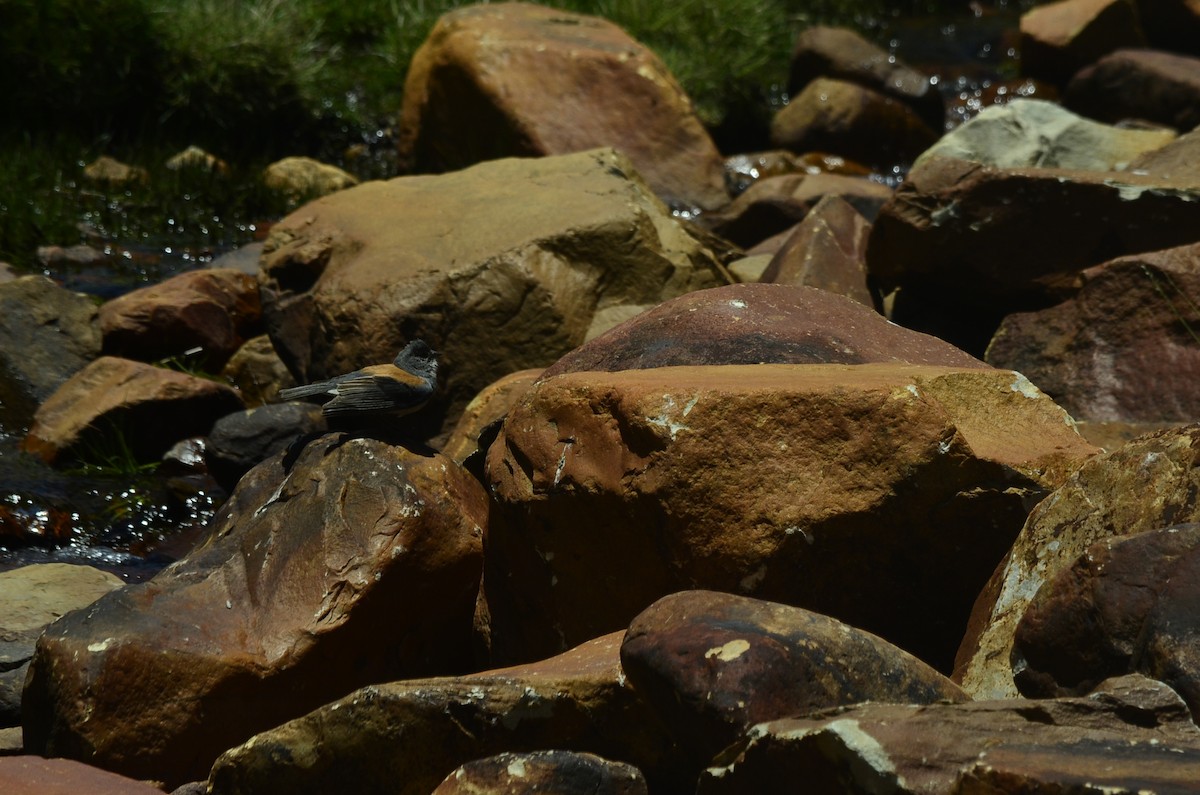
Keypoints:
(395, 389)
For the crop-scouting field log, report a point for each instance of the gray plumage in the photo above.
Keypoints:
(399, 388)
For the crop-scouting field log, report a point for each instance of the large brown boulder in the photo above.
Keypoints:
(348, 562)
(1133, 737)
(1125, 348)
(715, 664)
(882, 495)
(406, 737)
(1147, 484)
(1057, 39)
(1148, 85)
(215, 309)
(117, 408)
(1127, 605)
(517, 79)
(500, 267)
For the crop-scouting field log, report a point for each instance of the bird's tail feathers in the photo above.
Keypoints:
(308, 390)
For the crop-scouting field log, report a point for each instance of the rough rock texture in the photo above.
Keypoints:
(1127, 605)
(46, 335)
(467, 444)
(715, 664)
(1057, 39)
(611, 490)
(30, 598)
(1160, 87)
(516, 79)
(853, 121)
(968, 243)
(405, 737)
(213, 309)
(554, 772)
(511, 258)
(303, 177)
(120, 404)
(257, 372)
(351, 561)
(1125, 348)
(843, 54)
(1132, 738)
(758, 324)
(1147, 484)
(240, 440)
(1178, 160)
(827, 250)
(32, 775)
(1033, 132)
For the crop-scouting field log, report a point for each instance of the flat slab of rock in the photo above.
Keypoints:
(406, 737)
(715, 664)
(517, 79)
(1118, 741)
(500, 267)
(758, 324)
(558, 772)
(33, 775)
(611, 490)
(1124, 348)
(1147, 484)
(117, 405)
(278, 611)
(1159, 87)
(1059, 38)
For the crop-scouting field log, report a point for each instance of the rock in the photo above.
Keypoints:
(1111, 435)
(47, 334)
(57, 256)
(827, 250)
(517, 79)
(1127, 605)
(112, 172)
(32, 597)
(305, 178)
(1084, 745)
(853, 121)
(776, 204)
(480, 422)
(349, 562)
(1147, 484)
(558, 772)
(1033, 132)
(1125, 348)
(244, 258)
(1159, 87)
(967, 244)
(257, 372)
(196, 159)
(405, 737)
(1057, 39)
(240, 440)
(216, 310)
(610, 490)
(750, 269)
(1178, 160)
(843, 54)
(1171, 24)
(32, 775)
(118, 407)
(715, 664)
(515, 256)
(758, 324)
(742, 171)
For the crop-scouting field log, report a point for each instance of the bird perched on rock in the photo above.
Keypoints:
(395, 389)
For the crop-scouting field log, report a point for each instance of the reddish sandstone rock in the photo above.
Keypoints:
(519, 80)
(1147, 484)
(827, 250)
(257, 372)
(1059, 38)
(405, 737)
(1127, 739)
(213, 309)
(557, 772)
(715, 664)
(479, 423)
(851, 120)
(1160, 87)
(121, 405)
(348, 562)
(757, 324)
(1126, 605)
(1177, 161)
(784, 482)
(32, 775)
(1124, 348)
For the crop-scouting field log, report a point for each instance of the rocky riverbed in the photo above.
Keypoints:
(746, 472)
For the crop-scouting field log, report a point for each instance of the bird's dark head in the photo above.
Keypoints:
(417, 357)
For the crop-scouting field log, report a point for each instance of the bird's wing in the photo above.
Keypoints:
(372, 392)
